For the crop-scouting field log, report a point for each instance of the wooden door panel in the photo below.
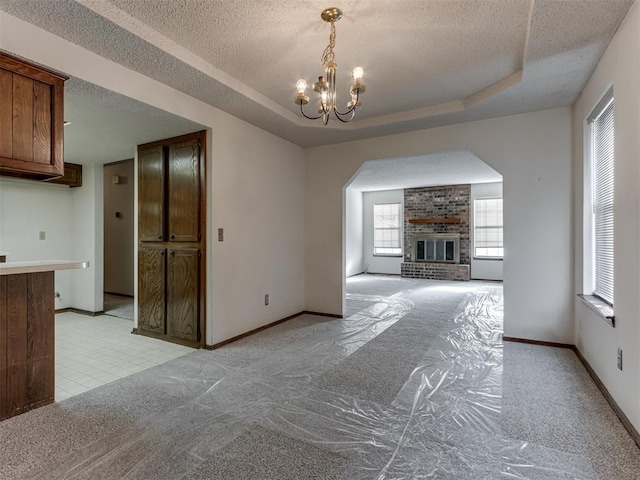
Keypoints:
(40, 333)
(17, 343)
(184, 191)
(4, 406)
(6, 114)
(22, 118)
(151, 289)
(151, 197)
(41, 123)
(183, 286)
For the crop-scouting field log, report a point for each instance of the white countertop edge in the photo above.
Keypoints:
(36, 266)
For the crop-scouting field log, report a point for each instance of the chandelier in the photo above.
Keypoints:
(326, 88)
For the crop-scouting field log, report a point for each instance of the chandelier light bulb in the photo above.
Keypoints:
(301, 85)
(358, 73)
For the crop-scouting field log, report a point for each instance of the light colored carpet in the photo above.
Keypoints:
(241, 411)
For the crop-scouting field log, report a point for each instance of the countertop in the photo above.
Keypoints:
(35, 266)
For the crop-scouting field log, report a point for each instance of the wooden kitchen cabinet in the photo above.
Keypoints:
(183, 286)
(184, 191)
(26, 342)
(31, 120)
(169, 292)
(151, 200)
(72, 177)
(171, 222)
(152, 265)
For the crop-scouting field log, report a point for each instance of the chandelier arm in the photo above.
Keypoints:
(307, 116)
(340, 115)
(338, 112)
(351, 110)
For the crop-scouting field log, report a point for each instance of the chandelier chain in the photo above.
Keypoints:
(328, 56)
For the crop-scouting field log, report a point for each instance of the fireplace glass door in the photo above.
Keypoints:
(435, 250)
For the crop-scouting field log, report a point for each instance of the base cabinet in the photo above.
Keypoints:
(169, 293)
(183, 274)
(152, 287)
(26, 342)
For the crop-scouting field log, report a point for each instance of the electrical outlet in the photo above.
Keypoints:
(220, 234)
(266, 299)
(43, 235)
(619, 358)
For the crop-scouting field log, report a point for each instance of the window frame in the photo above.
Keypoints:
(602, 306)
(399, 228)
(475, 227)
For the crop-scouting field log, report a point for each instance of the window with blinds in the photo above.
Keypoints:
(387, 222)
(602, 158)
(487, 227)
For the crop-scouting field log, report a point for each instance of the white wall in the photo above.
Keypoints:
(598, 341)
(72, 221)
(483, 269)
(380, 264)
(255, 184)
(87, 238)
(354, 263)
(533, 153)
(27, 208)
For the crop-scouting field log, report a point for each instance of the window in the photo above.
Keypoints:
(387, 222)
(487, 232)
(602, 183)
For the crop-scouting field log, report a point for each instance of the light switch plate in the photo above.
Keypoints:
(220, 234)
(619, 358)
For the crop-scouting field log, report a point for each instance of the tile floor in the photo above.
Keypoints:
(92, 351)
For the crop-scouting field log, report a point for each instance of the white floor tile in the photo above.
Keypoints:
(93, 351)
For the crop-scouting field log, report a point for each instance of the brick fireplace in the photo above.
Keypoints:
(437, 232)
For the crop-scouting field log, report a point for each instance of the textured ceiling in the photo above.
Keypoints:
(106, 127)
(427, 62)
(446, 168)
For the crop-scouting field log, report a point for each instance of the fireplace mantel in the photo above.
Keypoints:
(420, 221)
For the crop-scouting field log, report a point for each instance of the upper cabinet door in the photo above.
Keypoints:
(31, 120)
(151, 194)
(184, 191)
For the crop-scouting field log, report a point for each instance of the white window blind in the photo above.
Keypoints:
(602, 151)
(488, 227)
(387, 221)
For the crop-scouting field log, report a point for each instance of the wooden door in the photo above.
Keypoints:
(184, 191)
(151, 212)
(172, 170)
(31, 118)
(183, 299)
(151, 289)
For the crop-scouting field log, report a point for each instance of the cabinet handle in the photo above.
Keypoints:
(173, 236)
(173, 253)
(159, 237)
(162, 253)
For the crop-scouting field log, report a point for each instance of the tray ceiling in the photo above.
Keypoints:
(427, 62)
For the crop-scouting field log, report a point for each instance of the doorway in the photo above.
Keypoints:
(119, 246)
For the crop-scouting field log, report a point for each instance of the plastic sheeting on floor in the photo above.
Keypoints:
(203, 410)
